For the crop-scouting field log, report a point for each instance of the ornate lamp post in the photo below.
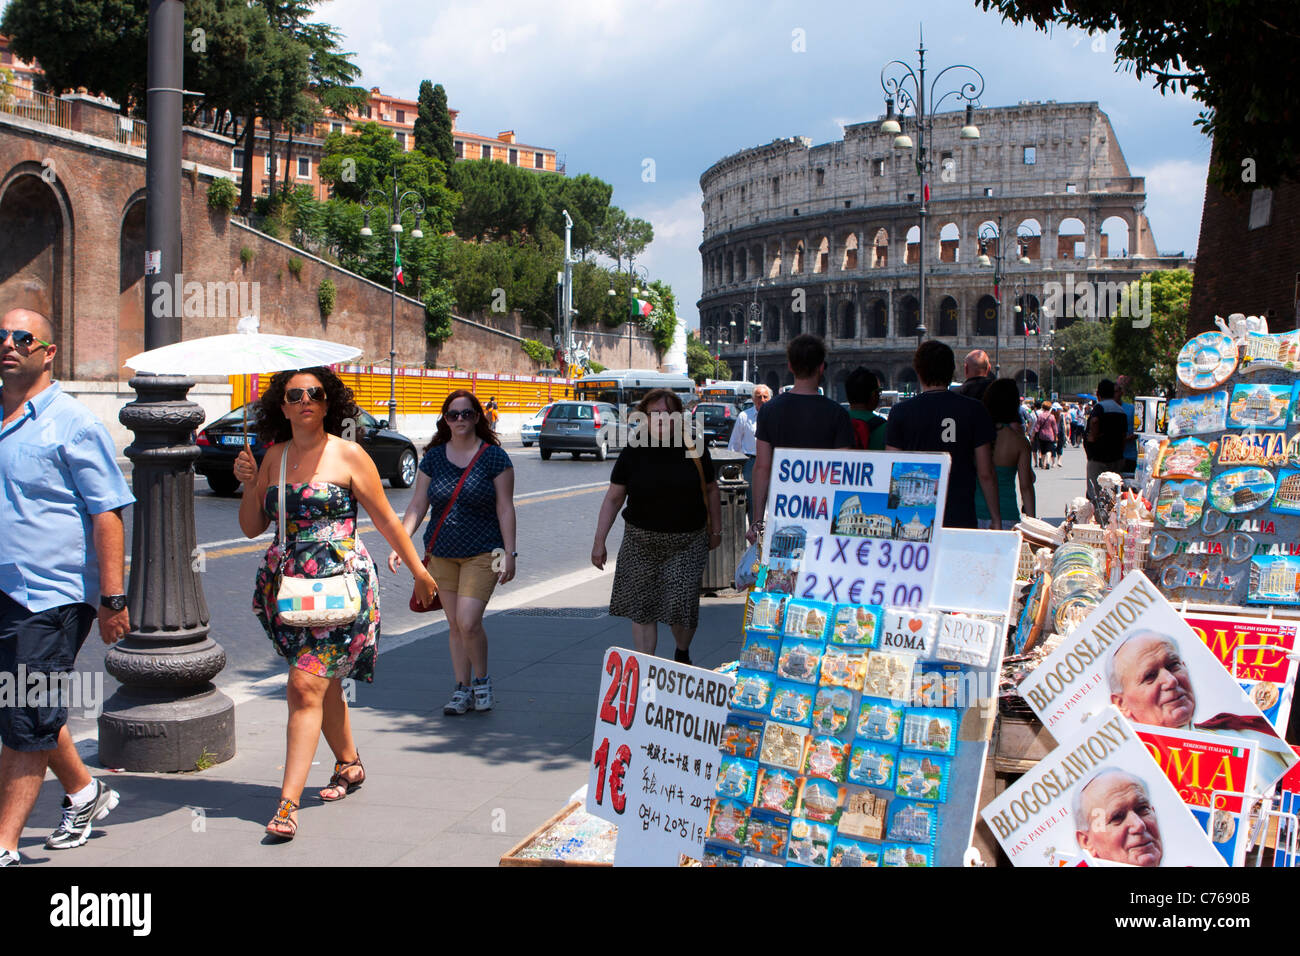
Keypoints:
(167, 715)
(992, 238)
(408, 201)
(713, 335)
(1029, 321)
(633, 313)
(907, 87)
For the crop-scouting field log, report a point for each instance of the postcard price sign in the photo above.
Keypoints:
(849, 527)
(654, 760)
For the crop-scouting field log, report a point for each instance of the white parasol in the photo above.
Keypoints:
(244, 352)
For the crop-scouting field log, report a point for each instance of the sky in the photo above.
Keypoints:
(648, 95)
(612, 84)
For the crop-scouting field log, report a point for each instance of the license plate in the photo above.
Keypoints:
(569, 428)
(234, 439)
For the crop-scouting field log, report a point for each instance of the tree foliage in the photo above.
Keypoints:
(433, 124)
(1236, 57)
(1085, 349)
(701, 365)
(1138, 348)
(622, 236)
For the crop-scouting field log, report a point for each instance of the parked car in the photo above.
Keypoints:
(579, 427)
(220, 443)
(719, 420)
(533, 427)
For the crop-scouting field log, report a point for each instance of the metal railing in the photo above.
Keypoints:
(40, 107)
(132, 132)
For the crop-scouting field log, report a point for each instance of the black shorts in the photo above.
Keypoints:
(31, 643)
(1047, 446)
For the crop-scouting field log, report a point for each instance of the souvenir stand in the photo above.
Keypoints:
(865, 687)
(1216, 529)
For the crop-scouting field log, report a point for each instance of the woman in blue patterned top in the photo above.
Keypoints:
(475, 547)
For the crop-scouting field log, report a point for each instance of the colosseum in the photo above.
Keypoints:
(824, 239)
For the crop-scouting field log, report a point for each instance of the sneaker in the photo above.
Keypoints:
(9, 858)
(483, 699)
(461, 701)
(75, 828)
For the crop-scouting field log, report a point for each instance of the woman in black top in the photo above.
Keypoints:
(673, 519)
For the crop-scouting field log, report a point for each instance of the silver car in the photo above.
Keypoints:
(532, 428)
(579, 427)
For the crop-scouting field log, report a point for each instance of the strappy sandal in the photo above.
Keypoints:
(282, 825)
(341, 784)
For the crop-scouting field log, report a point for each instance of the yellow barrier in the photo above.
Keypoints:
(422, 391)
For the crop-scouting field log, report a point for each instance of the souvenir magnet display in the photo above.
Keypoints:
(1207, 361)
(913, 632)
(967, 640)
(1274, 579)
(880, 721)
(820, 800)
(792, 703)
(930, 730)
(753, 691)
(902, 854)
(1259, 406)
(912, 822)
(1198, 414)
(783, 746)
(825, 757)
(872, 765)
(1185, 458)
(831, 709)
(777, 790)
(767, 834)
(1261, 351)
(799, 659)
(1180, 503)
(808, 619)
(742, 736)
(1286, 497)
(843, 666)
(764, 611)
(759, 652)
(810, 843)
(923, 777)
(727, 821)
(1240, 490)
(856, 624)
(736, 778)
(1253, 448)
(847, 852)
(888, 675)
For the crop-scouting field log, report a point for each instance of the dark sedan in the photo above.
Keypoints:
(220, 443)
(719, 419)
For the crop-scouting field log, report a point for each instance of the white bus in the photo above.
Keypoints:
(629, 386)
(735, 393)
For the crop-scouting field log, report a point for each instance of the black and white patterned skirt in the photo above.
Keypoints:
(658, 575)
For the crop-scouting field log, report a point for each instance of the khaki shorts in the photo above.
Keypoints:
(465, 577)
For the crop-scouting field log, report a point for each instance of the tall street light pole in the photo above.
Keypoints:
(400, 202)
(167, 715)
(907, 87)
(994, 238)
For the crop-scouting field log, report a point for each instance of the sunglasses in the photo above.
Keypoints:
(22, 338)
(294, 396)
(464, 414)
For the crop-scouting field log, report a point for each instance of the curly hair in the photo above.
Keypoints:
(272, 426)
(481, 427)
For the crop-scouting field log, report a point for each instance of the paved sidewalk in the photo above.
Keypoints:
(441, 790)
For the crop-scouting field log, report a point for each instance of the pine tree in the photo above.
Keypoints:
(433, 124)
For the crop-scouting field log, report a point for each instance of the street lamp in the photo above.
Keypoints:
(408, 201)
(1051, 349)
(990, 237)
(1028, 321)
(713, 335)
(633, 313)
(752, 331)
(908, 89)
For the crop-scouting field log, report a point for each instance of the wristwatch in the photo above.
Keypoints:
(114, 602)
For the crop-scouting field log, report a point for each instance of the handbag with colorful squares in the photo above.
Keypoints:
(328, 601)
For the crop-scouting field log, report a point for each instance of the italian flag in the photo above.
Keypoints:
(997, 292)
(644, 307)
(397, 263)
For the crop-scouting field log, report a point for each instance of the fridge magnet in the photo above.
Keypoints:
(1185, 458)
(914, 632)
(1262, 351)
(930, 730)
(888, 675)
(1253, 448)
(792, 703)
(939, 684)
(844, 666)
(742, 736)
(913, 822)
(719, 854)
(864, 815)
(753, 691)
(1207, 361)
(923, 777)
(1240, 490)
(825, 758)
(1286, 498)
(810, 843)
(767, 833)
(777, 790)
(764, 611)
(1198, 414)
(783, 746)
(831, 708)
(736, 778)
(727, 820)
(872, 765)
(1180, 503)
(847, 852)
(902, 854)
(1259, 406)
(820, 800)
(799, 659)
(856, 624)
(967, 640)
(1274, 579)
(760, 651)
(807, 619)
(880, 721)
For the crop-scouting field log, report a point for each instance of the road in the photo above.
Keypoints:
(556, 504)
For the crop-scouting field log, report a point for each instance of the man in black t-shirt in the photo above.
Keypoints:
(799, 418)
(942, 420)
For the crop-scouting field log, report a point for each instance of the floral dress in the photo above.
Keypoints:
(321, 520)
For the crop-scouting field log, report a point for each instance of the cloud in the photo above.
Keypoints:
(1175, 196)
